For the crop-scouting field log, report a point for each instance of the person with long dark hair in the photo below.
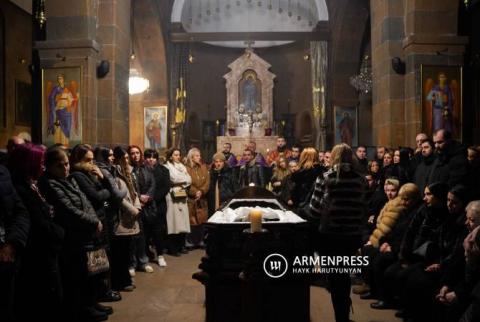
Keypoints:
(125, 225)
(104, 159)
(145, 186)
(156, 224)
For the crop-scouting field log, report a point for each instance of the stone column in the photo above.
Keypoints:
(419, 32)
(113, 101)
(431, 38)
(81, 33)
(388, 88)
(71, 42)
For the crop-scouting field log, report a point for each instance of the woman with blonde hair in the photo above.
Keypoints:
(384, 244)
(338, 206)
(197, 196)
(279, 174)
(304, 179)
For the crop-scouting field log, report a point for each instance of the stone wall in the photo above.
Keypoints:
(17, 58)
(419, 32)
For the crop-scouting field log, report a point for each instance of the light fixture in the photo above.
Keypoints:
(363, 81)
(136, 83)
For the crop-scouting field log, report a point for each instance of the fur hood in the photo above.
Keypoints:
(83, 166)
(386, 220)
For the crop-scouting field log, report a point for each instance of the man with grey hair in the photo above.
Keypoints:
(473, 215)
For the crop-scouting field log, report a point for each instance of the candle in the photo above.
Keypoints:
(255, 221)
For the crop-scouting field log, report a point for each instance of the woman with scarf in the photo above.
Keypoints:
(178, 221)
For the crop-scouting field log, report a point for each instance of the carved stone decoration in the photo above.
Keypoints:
(249, 95)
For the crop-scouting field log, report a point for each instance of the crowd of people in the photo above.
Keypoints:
(60, 204)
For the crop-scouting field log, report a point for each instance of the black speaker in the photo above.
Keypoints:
(103, 69)
(398, 65)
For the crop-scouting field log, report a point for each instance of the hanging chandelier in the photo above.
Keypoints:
(363, 81)
(136, 83)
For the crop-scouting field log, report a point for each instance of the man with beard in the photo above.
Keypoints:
(451, 165)
(230, 158)
(281, 151)
(424, 168)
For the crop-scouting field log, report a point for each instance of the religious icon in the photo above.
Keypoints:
(250, 93)
(61, 106)
(441, 99)
(155, 120)
(346, 125)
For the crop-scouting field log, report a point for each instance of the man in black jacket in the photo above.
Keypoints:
(250, 172)
(451, 165)
(14, 228)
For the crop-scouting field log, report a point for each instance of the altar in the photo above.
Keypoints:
(249, 108)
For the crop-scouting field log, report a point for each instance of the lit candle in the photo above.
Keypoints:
(255, 221)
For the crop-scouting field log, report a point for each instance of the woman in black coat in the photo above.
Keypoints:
(75, 214)
(221, 177)
(92, 182)
(304, 178)
(38, 284)
(156, 223)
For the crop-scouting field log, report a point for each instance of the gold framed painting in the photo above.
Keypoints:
(345, 120)
(442, 104)
(156, 126)
(62, 106)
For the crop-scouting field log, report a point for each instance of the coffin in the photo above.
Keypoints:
(237, 288)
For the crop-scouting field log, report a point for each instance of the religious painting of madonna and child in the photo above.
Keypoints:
(61, 107)
(155, 120)
(249, 94)
(345, 122)
(442, 99)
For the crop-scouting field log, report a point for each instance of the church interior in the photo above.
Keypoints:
(195, 76)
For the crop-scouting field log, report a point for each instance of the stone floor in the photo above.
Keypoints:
(171, 295)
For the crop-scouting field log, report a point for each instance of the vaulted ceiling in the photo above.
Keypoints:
(202, 16)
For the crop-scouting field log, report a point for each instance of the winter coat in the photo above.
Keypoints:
(162, 187)
(198, 209)
(423, 228)
(304, 180)
(451, 166)
(126, 224)
(422, 172)
(45, 239)
(226, 186)
(145, 185)
(387, 220)
(73, 212)
(251, 173)
(178, 220)
(339, 200)
(395, 237)
(14, 218)
(94, 189)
